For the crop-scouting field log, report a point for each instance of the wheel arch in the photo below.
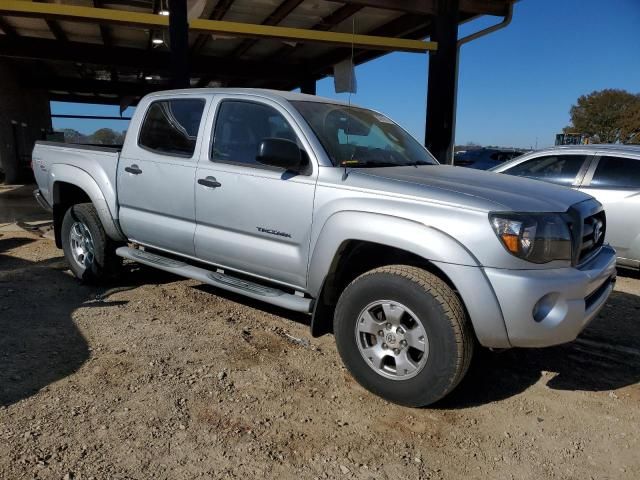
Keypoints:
(369, 241)
(70, 186)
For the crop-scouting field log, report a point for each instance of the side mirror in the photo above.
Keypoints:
(279, 152)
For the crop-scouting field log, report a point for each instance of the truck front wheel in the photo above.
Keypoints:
(88, 250)
(403, 334)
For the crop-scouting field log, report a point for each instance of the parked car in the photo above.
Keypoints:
(335, 211)
(611, 173)
(484, 158)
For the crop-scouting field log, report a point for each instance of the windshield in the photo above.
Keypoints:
(355, 137)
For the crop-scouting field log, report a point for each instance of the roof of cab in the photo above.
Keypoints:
(600, 147)
(261, 92)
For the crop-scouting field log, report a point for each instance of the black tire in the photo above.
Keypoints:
(439, 310)
(106, 264)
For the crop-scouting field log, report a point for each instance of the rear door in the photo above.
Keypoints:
(156, 174)
(614, 181)
(255, 219)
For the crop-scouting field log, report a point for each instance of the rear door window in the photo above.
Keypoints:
(616, 172)
(171, 127)
(560, 169)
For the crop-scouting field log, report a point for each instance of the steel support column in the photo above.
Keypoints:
(442, 89)
(179, 43)
(308, 86)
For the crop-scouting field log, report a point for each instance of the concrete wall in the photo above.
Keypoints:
(24, 118)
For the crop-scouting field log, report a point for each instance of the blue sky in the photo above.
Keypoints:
(515, 85)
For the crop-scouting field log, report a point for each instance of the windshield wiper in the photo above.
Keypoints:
(372, 164)
(367, 164)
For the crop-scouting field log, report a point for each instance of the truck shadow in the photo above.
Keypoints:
(17, 202)
(39, 340)
(606, 356)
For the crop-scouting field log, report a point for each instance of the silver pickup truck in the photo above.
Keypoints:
(334, 210)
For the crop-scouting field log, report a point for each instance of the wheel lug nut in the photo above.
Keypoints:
(380, 333)
(403, 343)
(396, 351)
(388, 325)
(384, 345)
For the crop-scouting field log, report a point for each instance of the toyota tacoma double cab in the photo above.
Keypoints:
(334, 210)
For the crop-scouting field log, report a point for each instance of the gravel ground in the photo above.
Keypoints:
(157, 377)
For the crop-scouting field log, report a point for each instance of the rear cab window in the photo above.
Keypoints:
(170, 127)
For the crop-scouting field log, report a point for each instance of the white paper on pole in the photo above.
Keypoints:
(344, 77)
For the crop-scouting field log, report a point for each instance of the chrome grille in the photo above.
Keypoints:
(593, 232)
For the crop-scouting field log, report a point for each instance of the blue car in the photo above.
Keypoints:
(484, 158)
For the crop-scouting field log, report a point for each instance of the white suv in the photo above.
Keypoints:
(611, 173)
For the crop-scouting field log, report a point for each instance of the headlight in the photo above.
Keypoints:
(535, 237)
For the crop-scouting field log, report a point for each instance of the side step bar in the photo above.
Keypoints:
(247, 288)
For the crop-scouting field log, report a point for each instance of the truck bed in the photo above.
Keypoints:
(58, 161)
(82, 146)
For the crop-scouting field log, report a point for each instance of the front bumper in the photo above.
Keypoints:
(572, 298)
(41, 201)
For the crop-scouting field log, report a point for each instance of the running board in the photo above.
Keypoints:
(247, 288)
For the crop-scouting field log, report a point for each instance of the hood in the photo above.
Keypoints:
(468, 187)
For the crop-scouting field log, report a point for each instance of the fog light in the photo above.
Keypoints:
(544, 306)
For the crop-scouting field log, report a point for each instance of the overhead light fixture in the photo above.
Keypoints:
(156, 38)
(164, 8)
(148, 77)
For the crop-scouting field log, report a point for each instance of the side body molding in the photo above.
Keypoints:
(445, 252)
(81, 179)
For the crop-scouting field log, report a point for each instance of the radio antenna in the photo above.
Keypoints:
(351, 73)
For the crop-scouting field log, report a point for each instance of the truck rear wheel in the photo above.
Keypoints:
(403, 334)
(88, 250)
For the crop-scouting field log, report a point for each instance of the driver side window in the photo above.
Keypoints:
(241, 126)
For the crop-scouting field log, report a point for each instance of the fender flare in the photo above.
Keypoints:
(81, 179)
(431, 244)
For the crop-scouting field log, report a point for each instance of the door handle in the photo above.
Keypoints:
(210, 182)
(133, 169)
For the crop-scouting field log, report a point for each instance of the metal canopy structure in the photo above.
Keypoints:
(101, 50)
(116, 51)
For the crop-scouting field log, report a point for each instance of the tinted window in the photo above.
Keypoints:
(241, 126)
(616, 172)
(171, 126)
(561, 169)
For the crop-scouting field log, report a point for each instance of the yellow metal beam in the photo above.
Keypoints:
(107, 16)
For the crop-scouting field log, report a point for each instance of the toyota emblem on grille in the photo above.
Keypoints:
(597, 231)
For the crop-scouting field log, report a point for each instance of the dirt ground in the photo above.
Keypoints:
(157, 377)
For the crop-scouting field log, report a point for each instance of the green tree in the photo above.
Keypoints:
(608, 116)
(72, 136)
(630, 129)
(104, 136)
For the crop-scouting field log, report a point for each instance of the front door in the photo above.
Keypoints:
(156, 176)
(250, 217)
